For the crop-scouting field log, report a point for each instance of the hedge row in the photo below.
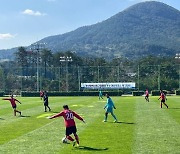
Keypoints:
(157, 92)
(1, 93)
(177, 92)
(87, 93)
(137, 93)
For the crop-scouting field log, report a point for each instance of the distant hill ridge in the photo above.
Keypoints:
(147, 28)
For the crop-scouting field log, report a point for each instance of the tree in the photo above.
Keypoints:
(46, 57)
(22, 58)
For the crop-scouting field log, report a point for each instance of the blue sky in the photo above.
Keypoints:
(23, 22)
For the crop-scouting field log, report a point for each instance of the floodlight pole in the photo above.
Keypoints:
(178, 58)
(98, 73)
(159, 85)
(66, 59)
(138, 77)
(37, 47)
(79, 78)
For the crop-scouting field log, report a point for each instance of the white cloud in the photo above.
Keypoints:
(33, 13)
(6, 36)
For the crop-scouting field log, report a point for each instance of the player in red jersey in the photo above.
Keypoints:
(163, 99)
(13, 103)
(69, 123)
(41, 94)
(147, 95)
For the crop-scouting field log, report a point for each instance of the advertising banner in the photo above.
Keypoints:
(117, 85)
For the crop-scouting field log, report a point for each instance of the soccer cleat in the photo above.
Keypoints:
(115, 121)
(20, 113)
(104, 120)
(74, 143)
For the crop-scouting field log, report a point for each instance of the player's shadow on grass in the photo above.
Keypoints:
(129, 123)
(176, 108)
(2, 119)
(54, 112)
(24, 116)
(91, 148)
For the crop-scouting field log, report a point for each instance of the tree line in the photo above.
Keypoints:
(33, 70)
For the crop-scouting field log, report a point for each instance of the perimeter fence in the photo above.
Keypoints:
(69, 78)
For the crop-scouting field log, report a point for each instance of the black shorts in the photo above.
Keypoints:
(46, 104)
(70, 130)
(14, 107)
(163, 101)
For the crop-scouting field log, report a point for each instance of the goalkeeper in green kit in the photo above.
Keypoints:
(109, 109)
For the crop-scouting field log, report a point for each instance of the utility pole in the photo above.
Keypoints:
(37, 47)
(66, 60)
(178, 58)
(159, 75)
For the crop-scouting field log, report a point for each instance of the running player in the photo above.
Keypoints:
(109, 109)
(13, 103)
(163, 99)
(147, 95)
(69, 123)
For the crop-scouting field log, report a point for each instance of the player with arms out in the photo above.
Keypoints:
(13, 103)
(109, 108)
(69, 123)
(163, 99)
(147, 95)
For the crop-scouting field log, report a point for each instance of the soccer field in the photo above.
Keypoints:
(142, 128)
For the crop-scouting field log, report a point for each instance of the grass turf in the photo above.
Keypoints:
(142, 128)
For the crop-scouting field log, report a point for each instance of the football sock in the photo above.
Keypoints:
(70, 138)
(77, 139)
(114, 116)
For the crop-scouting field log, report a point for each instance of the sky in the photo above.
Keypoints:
(23, 22)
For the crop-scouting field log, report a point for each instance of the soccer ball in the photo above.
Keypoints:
(64, 140)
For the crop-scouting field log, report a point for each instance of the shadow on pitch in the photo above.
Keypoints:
(91, 148)
(55, 112)
(177, 108)
(2, 119)
(24, 116)
(129, 123)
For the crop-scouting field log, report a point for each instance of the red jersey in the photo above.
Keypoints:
(68, 117)
(163, 97)
(147, 93)
(12, 100)
(41, 93)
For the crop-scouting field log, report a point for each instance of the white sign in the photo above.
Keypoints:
(117, 85)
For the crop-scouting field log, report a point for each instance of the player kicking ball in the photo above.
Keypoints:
(109, 109)
(163, 99)
(13, 103)
(70, 124)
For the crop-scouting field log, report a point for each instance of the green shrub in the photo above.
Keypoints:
(73, 93)
(177, 92)
(1, 93)
(138, 93)
(157, 92)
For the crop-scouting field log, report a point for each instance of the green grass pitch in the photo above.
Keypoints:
(142, 128)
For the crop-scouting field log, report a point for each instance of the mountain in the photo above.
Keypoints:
(147, 28)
